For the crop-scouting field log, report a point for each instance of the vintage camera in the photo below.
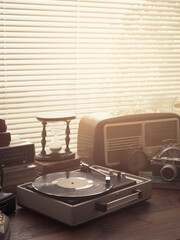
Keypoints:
(166, 168)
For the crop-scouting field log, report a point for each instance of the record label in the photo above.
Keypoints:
(76, 183)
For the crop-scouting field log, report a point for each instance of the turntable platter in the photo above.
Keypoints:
(71, 184)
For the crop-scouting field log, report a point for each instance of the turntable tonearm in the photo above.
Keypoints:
(84, 194)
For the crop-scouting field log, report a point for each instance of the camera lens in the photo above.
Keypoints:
(168, 172)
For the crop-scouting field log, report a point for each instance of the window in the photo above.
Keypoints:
(86, 56)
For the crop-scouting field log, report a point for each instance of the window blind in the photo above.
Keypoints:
(85, 57)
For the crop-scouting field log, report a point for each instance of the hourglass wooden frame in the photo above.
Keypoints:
(67, 154)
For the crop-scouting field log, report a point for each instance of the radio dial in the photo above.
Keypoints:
(135, 160)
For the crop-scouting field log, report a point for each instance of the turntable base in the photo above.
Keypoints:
(125, 190)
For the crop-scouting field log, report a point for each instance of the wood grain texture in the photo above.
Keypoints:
(155, 219)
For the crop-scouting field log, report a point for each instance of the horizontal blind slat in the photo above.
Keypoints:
(86, 56)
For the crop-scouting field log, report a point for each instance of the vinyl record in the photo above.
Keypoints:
(71, 184)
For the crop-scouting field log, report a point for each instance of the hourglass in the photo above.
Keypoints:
(56, 124)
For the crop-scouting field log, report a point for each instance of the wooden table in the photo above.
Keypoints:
(155, 219)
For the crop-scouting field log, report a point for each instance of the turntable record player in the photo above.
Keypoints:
(84, 194)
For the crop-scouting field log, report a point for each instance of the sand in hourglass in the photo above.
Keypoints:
(55, 145)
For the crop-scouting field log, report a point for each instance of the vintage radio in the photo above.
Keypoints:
(18, 152)
(125, 142)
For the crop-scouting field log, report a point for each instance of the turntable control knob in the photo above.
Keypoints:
(119, 175)
(123, 175)
(108, 181)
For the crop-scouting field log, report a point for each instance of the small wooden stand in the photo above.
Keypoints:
(57, 166)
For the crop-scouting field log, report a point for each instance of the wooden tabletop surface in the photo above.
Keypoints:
(155, 219)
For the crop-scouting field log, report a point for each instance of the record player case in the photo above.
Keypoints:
(126, 190)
